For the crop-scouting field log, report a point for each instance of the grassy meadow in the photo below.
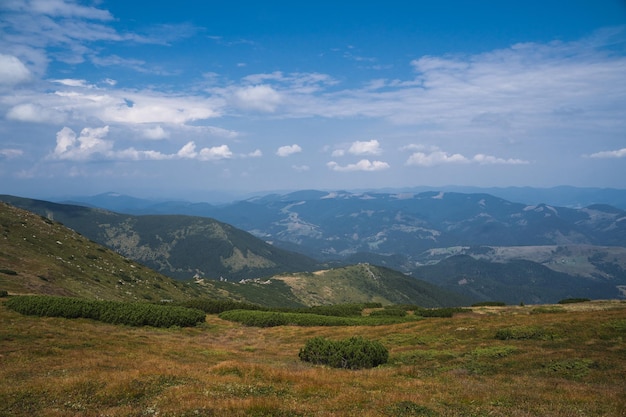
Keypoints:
(565, 360)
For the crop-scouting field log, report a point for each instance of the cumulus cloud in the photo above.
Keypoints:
(91, 143)
(435, 158)
(258, 97)
(288, 150)
(439, 157)
(12, 70)
(29, 112)
(619, 153)
(155, 133)
(215, 153)
(362, 165)
(371, 147)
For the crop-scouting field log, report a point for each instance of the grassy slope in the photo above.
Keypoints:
(177, 246)
(368, 283)
(48, 258)
(438, 367)
(40, 256)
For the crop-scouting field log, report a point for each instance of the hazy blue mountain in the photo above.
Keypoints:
(178, 246)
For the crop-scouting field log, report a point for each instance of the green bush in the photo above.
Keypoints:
(219, 306)
(389, 312)
(132, 314)
(352, 353)
(574, 300)
(4, 293)
(489, 304)
(8, 271)
(273, 318)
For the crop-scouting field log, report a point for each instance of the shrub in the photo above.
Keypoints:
(574, 300)
(352, 353)
(218, 306)
(389, 312)
(489, 304)
(4, 293)
(273, 318)
(524, 333)
(132, 314)
(8, 271)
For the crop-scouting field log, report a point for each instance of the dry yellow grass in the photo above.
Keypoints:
(438, 367)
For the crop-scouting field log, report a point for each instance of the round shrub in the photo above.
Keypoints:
(352, 353)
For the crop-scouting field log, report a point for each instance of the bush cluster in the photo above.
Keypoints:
(352, 353)
(273, 318)
(524, 333)
(210, 306)
(489, 304)
(574, 300)
(132, 314)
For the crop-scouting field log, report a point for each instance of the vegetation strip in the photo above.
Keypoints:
(132, 314)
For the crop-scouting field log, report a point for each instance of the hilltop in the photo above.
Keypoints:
(41, 256)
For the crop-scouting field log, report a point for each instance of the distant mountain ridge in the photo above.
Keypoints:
(42, 256)
(178, 246)
(569, 251)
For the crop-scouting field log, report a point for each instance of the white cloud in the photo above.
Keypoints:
(619, 153)
(371, 147)
(90, 142)
(62, 8)
(70, 82)
(155, 133)
(11, 153)
(188, 151)
(255, 154)
(301, 168)
(440, 158)
(35, 113)
(338, 153)
(215, 153)
(435, 158)
(12, 70)
(288, 150)
(362, 165)
(488, 160)
(258, 97)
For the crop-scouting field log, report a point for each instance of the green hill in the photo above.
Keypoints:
(368, 283)
(41, 256)
(513, 281)
(178, 246)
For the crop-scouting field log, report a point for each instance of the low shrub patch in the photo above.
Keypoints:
(352, 353)
(524, 333)
(489, 304)
(574, 300)
(132, 314)
(273, 318)
(219, 306)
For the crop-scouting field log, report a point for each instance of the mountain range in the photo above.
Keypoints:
(565, 251)
(41, 256)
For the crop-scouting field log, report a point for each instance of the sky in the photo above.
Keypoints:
(199, 99)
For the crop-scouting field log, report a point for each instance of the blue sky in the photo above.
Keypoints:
(192, 99)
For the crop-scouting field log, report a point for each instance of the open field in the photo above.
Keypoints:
(565, 360)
